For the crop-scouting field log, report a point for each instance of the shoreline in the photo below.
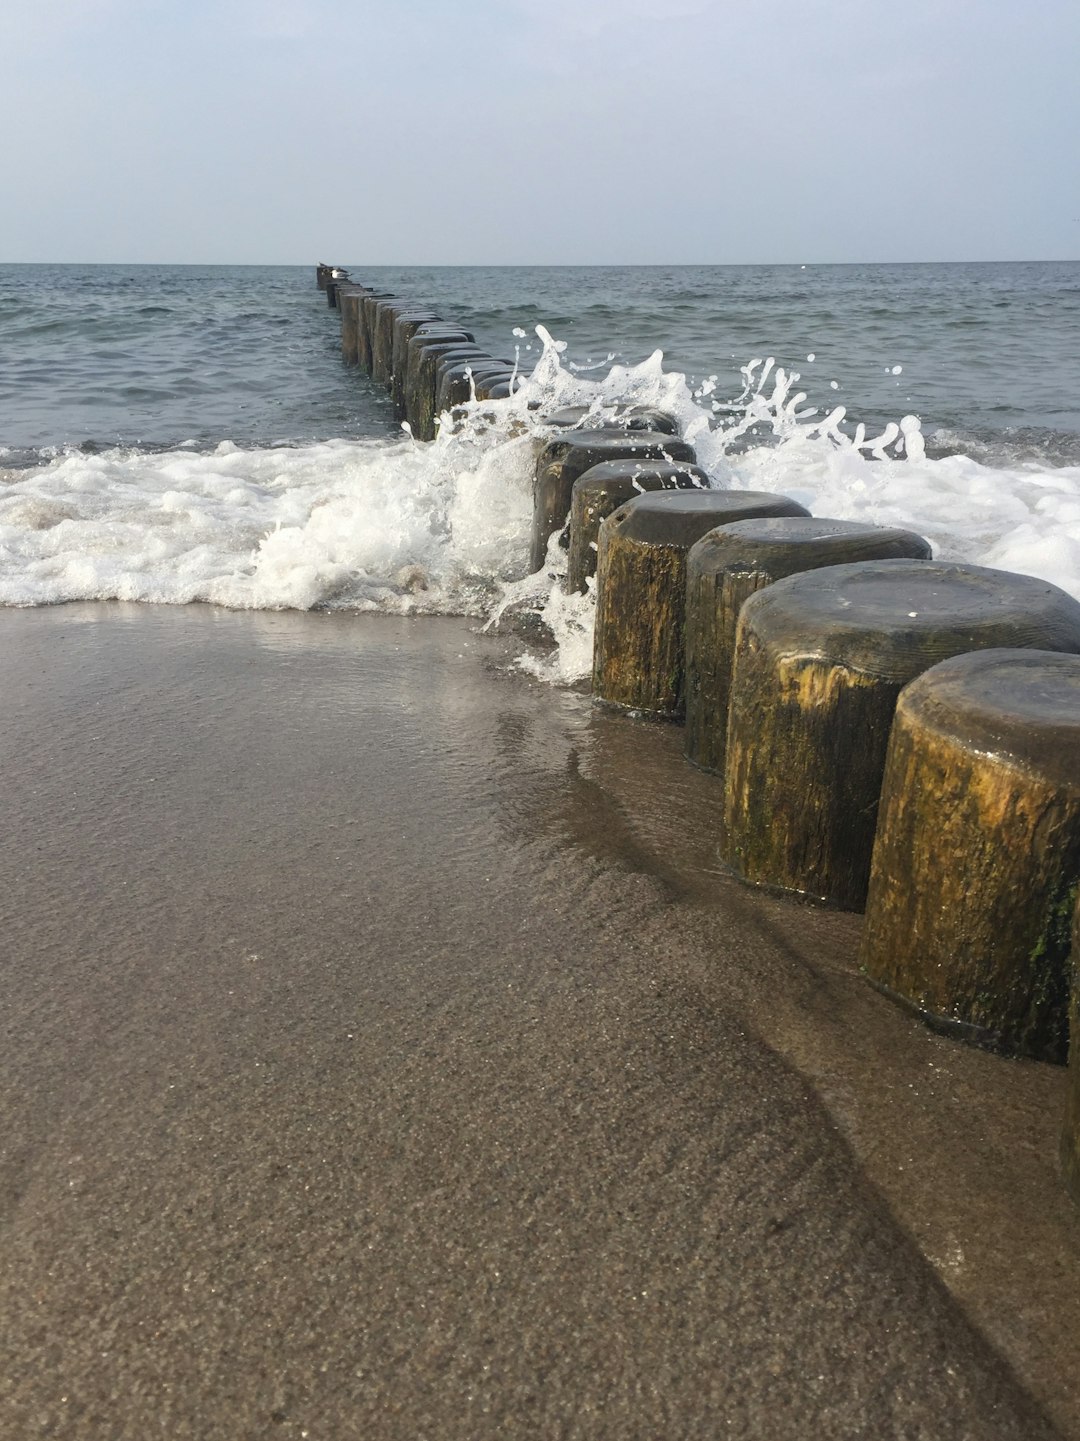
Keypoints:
(593, 1070)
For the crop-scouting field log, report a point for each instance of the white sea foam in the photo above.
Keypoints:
(395, 525)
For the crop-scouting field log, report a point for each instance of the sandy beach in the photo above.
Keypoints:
(385, 1056)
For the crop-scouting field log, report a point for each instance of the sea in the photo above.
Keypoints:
(189, 434)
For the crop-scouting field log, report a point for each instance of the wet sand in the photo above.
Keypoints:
(384, 1056)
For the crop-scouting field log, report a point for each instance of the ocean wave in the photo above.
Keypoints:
(398, 526)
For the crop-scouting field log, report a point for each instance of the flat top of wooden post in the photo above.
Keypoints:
(894, 617)
(679, 517)
(617, 441)
(631, 467)
(1023, 705)
(748, 545)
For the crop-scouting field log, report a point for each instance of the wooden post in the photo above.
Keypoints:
(349, 298)
(977, 857)
(599, 493)
(1070, 1135)
(573, 453)
(495, 385)
(382, 336)
(405, 325)
(820, 659)
(641, 590)
(729, 565)
(365, 330)
(455, 380)
(424, 352)
(385, 313)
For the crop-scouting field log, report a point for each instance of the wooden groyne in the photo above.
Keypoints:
(889, 733)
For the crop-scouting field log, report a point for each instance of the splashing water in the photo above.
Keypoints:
(399, 526)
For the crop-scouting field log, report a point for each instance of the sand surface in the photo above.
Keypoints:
(384, 1056)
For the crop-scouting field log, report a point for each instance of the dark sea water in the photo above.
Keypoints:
(177, 433)
(157, 355)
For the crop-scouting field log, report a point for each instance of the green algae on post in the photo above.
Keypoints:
(571, 454)
(599, 493)
(1070, 1135)
(977, 856)
(425, 352)
(405, 325)
(732, 563)
(820, 659)
(641, 590)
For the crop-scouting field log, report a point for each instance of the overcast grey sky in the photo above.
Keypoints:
(540, 131)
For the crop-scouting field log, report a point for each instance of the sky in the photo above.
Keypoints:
(492, 132)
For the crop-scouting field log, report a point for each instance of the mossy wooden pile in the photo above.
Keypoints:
(406, 324)
(977, 857)
(1070, 1131)
(638, 657)
(820, 660)
(599, 493)
(455, 380)
(571, 454)
(789, 660)
(729, 565)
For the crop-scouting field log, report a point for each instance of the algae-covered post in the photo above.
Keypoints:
(427, 348)
(599, 493)
(641, 590)
(1070, 1135)
(820, 660)
(729, 565)
(446, 382)
(382, 335)
(570, 455)
(405, 325)
(366, 328)
(458, 377)
(977, 855)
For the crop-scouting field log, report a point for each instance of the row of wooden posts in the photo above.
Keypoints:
(893, 734)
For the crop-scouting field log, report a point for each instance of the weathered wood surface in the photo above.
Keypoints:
(456, 380)
(570, 455)
(820, 659)
(599, 493)
(439, 338)
(495, 385)
(641, 590)
(729, 565)
(405, 325)
(425, 354)
(427, 330)
(1070, 1134)
(349, 298)
(366, 328)
(382, 318)
(977, 855)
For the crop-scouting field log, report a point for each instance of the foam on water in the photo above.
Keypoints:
(398, 526)
(387, 525)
